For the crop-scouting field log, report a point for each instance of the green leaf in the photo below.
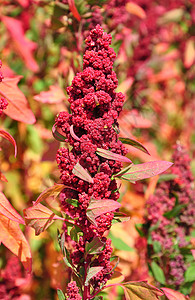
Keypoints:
(116, 45)
(34, 140)
(123, 171)
(190, 273)
(139, 290)
(158, 273)
(134, 143)
(91, 273)
(75, 233)
(94, 247)
(120, 218)
(115, 264)
(175, 211)
(139, 228)
(60, 294)
(166, 177)
(156, 246)
(119, 244)
(73, 202)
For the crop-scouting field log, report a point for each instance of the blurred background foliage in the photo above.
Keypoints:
(44, 41)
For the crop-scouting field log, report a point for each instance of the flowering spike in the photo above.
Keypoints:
(89, 130)
(95, 107)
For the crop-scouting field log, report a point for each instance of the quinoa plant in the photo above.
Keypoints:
(90, 165)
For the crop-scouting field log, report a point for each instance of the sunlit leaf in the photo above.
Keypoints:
(99, 207)
(82, 173)
(39, 217)
(51, 191)
(145, 170)
(8, 137)
(13, 238)
(111, 155)
(18, 108)
(8, 211)
(116, 278)
(136, 10)
(139, 290)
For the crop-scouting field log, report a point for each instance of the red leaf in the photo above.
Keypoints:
(73, 134)
(82, 173)
(55, 189)
(13, 238)
(136, 10)
(99, 207)
(173, 295)
(139, 290)
(145, 170)
(54, 95)
(39, 217)
(74, 10)
(18, 108)
(134, 143)
(23, 46)
(111, 155)
(8, 211)
(8, 137)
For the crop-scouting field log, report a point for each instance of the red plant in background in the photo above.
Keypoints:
(171, 214)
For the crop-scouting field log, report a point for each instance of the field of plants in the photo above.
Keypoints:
(97, 149)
